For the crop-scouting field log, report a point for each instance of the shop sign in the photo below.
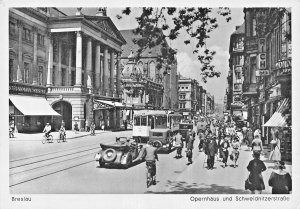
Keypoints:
(262, 73)
(237, 87)
(283, 67)
(262, 45)
(262, 61)
(236, 98)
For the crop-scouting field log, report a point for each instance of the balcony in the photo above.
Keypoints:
(24, 88)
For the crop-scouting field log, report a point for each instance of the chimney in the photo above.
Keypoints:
(101, 12)
(237, 27)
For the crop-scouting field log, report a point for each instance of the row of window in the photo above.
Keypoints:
(27, 34)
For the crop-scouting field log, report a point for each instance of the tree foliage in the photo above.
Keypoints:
(155, 25)
(268, 19)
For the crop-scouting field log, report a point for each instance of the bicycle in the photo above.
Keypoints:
(151, 170)
(48, 139)
(62, 137)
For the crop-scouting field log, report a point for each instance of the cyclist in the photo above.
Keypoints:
(62, 131)
(150, 153)
(47, 130)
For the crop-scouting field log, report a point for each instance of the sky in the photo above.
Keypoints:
(188, 65)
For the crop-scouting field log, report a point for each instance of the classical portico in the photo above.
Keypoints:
(90, 74)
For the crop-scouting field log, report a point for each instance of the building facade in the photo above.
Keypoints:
(71, 60)
(267, 71)
(194, 100)
(144, 84)
(235, 76)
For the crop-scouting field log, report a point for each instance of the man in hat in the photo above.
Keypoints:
(47, 129)
(212, 150)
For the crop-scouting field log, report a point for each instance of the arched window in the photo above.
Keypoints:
(152, 70)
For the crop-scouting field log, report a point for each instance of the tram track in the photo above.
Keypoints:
(35, 167)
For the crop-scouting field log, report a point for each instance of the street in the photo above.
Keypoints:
(70, 168)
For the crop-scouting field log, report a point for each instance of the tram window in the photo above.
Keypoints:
(137, 121)
(143, 121)
(161, 122)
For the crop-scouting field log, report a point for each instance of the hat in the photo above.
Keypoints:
(281, 164)
(47, 123)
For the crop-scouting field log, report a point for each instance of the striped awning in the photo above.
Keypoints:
(277, 120)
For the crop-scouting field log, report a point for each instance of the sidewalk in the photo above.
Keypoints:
(38, 136)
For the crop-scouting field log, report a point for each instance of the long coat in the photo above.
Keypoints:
(212, 148)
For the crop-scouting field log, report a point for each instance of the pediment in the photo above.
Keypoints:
(106, 26)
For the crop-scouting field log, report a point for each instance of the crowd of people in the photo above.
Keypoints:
(223, 141)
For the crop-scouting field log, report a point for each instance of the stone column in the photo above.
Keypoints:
(20, 50)
(105, 72)
(118, 88)
(59, 79)
(69, 66)
(34, 72)
(112, 72)
(89, 61)
(97, 68)
(78, 59)
(89, 103)
(50, 61)
(118, 75)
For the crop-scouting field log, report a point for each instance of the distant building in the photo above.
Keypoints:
(144, 84)
(235, 75)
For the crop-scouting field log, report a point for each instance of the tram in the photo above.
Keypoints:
(146, 120)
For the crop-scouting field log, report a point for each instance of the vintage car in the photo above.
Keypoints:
(184, 128)
(124, 152)
(161, 138)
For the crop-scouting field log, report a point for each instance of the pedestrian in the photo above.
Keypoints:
(201, 140)
(92, 128)
(249, 137)
(76, 127)
(234, 156)
(220, 141)
(212, 150)
(63, 123)
(178, 145)
(244, 130)
(102, 125)
(125, 124)
(275, 153)
(189, 151)
(280, 180)
(256, 181)
(256, 145)
(224, 150)
(87, 127)
(240, 136)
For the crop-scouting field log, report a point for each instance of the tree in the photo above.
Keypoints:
(155, 25)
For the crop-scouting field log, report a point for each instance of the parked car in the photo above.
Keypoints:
(124, 152)
(161, 138)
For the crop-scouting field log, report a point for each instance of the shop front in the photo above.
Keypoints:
(31, 113)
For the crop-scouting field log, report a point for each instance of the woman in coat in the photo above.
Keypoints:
(256, 167)
(224, 150)
(275, 153)
(280, 180)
